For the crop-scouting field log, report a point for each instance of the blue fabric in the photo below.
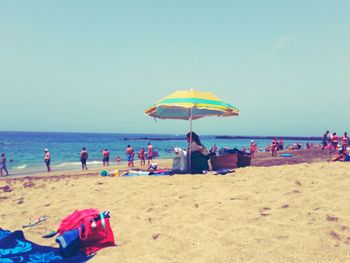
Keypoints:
(143, 173)
(69, 242)
(15, 248)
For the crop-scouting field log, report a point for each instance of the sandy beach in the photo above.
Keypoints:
(279, 210)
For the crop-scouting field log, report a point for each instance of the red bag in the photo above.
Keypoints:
(94, 229)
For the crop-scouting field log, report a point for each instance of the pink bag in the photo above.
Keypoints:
(94, 229)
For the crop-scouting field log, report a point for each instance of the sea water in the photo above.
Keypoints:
(25, 150)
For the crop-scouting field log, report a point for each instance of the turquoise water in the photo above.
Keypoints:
(26, 149)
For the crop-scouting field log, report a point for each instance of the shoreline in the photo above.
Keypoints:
(262, 159)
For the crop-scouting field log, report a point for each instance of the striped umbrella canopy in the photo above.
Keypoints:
(190, 105)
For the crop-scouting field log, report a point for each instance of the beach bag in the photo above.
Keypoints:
(90, 227)
(180, 161)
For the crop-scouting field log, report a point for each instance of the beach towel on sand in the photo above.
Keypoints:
(15, 248)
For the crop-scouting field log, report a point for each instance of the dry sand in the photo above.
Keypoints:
(286, 213)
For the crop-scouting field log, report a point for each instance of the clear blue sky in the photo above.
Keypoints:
(95, 66)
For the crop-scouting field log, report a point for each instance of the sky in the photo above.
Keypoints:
(95, 66)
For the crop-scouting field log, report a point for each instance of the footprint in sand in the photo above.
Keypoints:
(344, 228)
(265, 211)
(347, 241)
(28, 184)
(155, 236)
(293, 192)
(332, 218)
(335, 235)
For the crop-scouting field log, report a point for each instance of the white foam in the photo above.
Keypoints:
(67, 164)
(21, 167)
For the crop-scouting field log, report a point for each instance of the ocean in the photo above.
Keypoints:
(25, 150)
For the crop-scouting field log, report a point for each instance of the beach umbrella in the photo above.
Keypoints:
(190, 105)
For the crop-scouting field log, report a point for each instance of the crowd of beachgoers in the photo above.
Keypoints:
(335, 144)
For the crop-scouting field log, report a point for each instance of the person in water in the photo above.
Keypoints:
(198, 152)
(83, 158)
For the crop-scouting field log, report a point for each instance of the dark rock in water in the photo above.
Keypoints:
(301, 138)
(153, 139)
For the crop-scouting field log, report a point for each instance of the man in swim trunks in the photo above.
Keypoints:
(105, 157)
(150, 153)
(83, 158)
(47, 160)
(3, 165)
(130, 156)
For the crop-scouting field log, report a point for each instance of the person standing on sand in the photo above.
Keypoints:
(105, 157)
(130, 156)
(117, 159)
(150, 153)
(345, 139)
(83, 158)
(142, 156)
(47, 160)
(3, 165)
(253, 147)
(335, 139)
(274, 147)
(325, 140)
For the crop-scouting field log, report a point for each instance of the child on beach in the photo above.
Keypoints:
(83, 158)
(142, 156)
(117, 159)
(342, 155)
(3, 165)
(152, 166)
(47, 160)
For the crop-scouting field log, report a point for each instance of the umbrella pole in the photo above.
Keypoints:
(189, 154)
